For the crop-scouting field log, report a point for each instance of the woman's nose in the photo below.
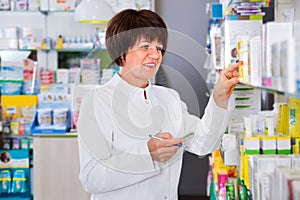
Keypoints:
(154, 52)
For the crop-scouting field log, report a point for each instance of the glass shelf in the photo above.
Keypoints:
(77, 50)
(63, 135)
(18, 49)
(17, 135)
(72, 50)
(36, 11)
(232, 2)
(58, 50)
(19, 11)
(272, 90)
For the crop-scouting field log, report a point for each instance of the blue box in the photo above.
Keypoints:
(35, 129)
(216, 11)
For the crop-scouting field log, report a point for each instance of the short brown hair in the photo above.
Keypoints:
(128, 26)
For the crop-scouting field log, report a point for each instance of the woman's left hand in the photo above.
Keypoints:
(163, 150)
(225, 85)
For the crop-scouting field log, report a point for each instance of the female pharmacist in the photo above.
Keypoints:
(130, 132)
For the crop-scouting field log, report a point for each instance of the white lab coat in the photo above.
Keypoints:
(116, 164)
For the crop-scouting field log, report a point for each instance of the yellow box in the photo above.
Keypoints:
(246, 170)
(294, 117)
(282, 122)
(296, 145)
(45, 87)
(242, 154)
(19, 100)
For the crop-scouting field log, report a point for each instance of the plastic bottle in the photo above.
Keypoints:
(44, 45)
(59, 42)
(242, 190)
(5, 181)
(19, 182)
(1, 117)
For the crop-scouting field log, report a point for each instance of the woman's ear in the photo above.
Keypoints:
(123, 60)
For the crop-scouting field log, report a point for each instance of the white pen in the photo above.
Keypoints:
(155, 137)
(158, 138)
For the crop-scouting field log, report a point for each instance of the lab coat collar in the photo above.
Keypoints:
(117, 79)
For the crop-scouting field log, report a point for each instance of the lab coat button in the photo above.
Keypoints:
(166, 197)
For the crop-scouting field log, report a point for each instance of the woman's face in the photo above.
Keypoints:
(142, 62)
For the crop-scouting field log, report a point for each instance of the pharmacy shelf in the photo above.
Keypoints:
(272, 90)
(59, 50)
(233, 2)
(45, 12)
(47, 24)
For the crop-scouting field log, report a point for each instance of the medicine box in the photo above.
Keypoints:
(268, 145)
(252, 145)
(283, 144)
(61, 5)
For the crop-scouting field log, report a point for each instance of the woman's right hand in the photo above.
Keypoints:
(225, 85)
(163, 150)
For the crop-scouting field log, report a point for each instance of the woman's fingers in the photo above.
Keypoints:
(163, 150)
(232, 67)
(225, 85)
(163, 147)
(164, 154)
(164, 135)
(231, 71)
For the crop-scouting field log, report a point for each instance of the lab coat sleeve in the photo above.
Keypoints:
(101, 170)
(209, 129)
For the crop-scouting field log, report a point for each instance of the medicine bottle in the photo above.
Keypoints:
(59, 42)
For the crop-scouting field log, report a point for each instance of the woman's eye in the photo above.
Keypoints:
(159, 48)
(145, 47)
